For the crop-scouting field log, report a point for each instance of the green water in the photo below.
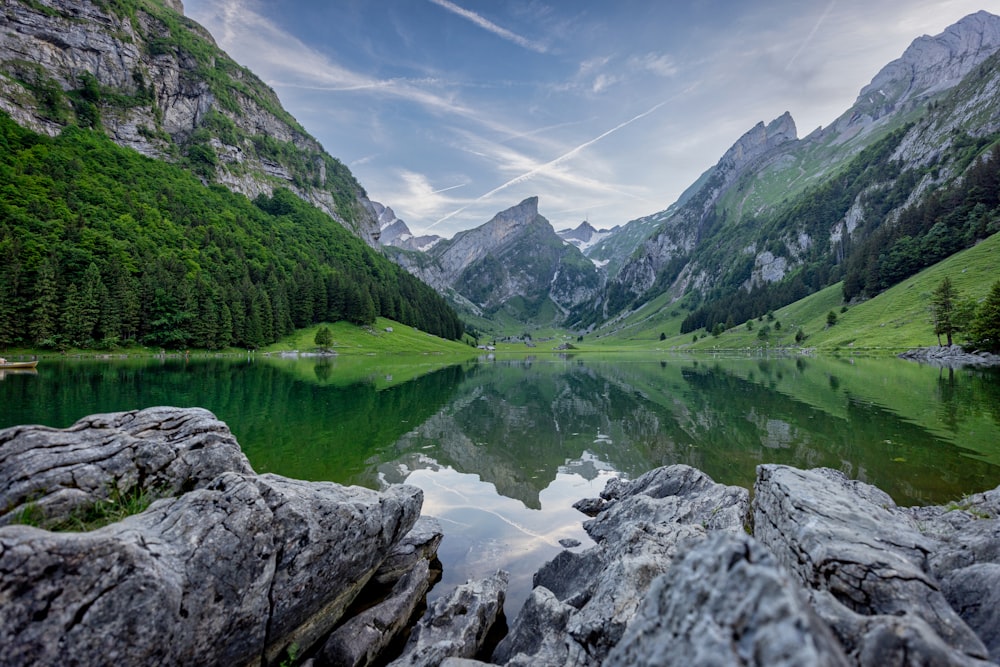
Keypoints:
(503, 449)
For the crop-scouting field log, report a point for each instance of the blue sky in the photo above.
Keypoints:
(452, 110)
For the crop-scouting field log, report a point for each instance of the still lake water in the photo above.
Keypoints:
(502, 449)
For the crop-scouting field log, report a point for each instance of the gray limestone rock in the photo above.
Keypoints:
(967, 560)
(458, 625)
(364, 639)
(591, 596)
(166, 451)
(420, 544)
(673, 494)
(232, 572)
(538, 636)
(849, 540)
(725, 601)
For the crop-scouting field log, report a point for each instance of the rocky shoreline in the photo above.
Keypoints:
(234, 568)
(951, 356)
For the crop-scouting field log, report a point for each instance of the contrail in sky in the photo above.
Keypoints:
(452, 187)
(548, 165)
(486, 24)
(812, 33)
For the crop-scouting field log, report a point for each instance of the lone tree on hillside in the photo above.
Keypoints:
(944, 306)
(324, 339)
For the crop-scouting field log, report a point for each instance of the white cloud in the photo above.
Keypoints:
(489, 26)
(657, 63)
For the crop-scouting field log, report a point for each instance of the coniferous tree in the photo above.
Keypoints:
(985, 329)
(46, 304)
(944, 300)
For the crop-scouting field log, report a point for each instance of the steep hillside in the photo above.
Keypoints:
(515, 263)
(779, 217)
(102, 247)
(156, 82)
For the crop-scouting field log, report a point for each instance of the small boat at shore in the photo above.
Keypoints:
(12, 365)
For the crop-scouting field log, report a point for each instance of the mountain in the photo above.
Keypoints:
(395, 233)
(778, 216)
(585, 237)
(514, 263)
(156, 82)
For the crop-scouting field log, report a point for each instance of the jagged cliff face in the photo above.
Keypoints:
(929, 66)
(515, 261)
(156, 82)
(680, 232)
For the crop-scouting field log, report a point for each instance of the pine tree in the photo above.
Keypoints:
(944, 299)
(985, 329)
(46, 305)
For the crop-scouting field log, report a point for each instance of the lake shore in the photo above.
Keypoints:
(248, 567)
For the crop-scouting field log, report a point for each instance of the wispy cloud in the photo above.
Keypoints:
(489, 26)
(659, 64)
(288, 63)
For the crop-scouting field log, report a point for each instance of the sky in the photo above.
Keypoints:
(449, 111)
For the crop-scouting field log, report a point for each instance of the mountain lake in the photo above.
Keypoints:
(502, 449)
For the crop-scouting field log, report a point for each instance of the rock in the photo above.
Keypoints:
(866, 561)
(673, 494)
(456, 626)
(638, 532)
(409, 571)
(420, 544)
(162, 450)
(569, 543)
(538, 636)
(967, 560)
(953, 356)
(590, 506)
(233, 572)
(364, 639)
(726, 601)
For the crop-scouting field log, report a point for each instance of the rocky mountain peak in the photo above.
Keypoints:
(928, 66)
(759, 140)
(583, 232)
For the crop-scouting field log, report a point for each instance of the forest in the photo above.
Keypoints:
(101, 248)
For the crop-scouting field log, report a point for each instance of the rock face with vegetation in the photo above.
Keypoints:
(155, 81)
(228, 567)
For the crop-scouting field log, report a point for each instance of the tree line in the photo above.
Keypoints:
(101, 247)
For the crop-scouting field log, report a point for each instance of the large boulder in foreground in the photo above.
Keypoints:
(52, 472)
(868, 566)
(233, 570)
(725, 601)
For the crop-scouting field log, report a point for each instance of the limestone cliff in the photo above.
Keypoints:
(155, 81)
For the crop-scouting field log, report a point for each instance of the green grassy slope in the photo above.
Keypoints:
(351, 339)
(895, 320)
